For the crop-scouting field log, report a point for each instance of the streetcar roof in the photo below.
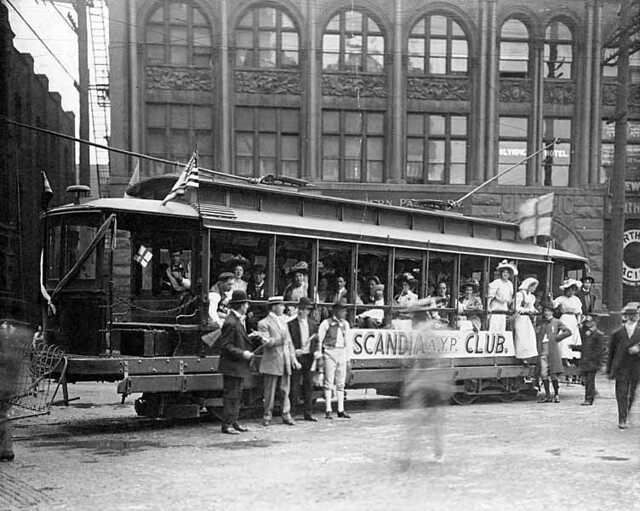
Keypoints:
(153, 207)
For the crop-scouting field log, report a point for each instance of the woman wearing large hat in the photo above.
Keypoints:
(524, 333)
(500, 296)
(570, 306)
(406, 295)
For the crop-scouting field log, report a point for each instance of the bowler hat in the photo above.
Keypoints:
(238, 296)
(304, 303)
(588, 278)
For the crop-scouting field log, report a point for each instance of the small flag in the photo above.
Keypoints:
(135, 177)
(188, 179)
(143, 256)
(535, 216)
(47, 191)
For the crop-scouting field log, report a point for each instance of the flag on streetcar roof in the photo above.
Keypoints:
(47, 191)
(535, 216)
(135, 177)
(143, 256)
(188, 179)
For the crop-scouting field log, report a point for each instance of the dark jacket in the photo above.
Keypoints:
(620, 364)
(233, 342)
(294, 330)
(593, 350)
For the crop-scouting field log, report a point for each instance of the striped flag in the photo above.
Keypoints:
(535, 216)
(46, 193)
(188, 179)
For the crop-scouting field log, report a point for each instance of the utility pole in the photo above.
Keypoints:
(619, 165)
(83, 173)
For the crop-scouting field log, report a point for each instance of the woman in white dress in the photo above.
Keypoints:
(570, 306)
(406, 296)
(524, 333)
(500, 296)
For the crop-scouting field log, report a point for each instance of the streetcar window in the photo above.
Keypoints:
(408, 276)
(334, 268)
(442, 282)
(373, 287)
(471, 293)
(293, 266)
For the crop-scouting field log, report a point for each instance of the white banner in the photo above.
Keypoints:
(374, 344)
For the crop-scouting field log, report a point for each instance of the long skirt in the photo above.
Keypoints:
(571, 322)
(524, 337)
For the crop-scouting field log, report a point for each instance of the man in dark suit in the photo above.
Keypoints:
(585, 293)
(304, 334)
(235, 358)
(623, 362)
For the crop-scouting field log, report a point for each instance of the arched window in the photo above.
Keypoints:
(558, 51)
(514, 49)
(178, 34)
(177, 59)
(353, 41)
(438, 46)
(267, 38)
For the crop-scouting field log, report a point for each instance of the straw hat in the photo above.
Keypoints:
(274, 300)
(570, 283)
(527, 282)
(506, 265)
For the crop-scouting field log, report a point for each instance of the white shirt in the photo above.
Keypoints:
(304, 335)
(631, 327)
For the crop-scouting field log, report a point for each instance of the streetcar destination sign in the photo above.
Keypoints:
(442, 343)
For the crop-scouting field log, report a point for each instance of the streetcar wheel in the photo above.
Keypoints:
(461, 398)
(508, 397)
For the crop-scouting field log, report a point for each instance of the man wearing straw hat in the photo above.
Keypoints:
(623, 362)
(278, 361)
(235, 358)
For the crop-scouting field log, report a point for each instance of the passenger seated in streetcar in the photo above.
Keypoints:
(324, 293)
(443, 300)
(257, 288)
(219, 296)
(469, 306)
(174, 276)
(299, 286)
(406, 295)
(238, 281)
(373, 318)
(341, 291)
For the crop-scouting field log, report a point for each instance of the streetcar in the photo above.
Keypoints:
(111, 309)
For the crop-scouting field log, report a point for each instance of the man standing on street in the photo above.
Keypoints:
(592, 349)
(335, 342)
(623, 362)
(278, 360)
(235, 357)
(304, 334)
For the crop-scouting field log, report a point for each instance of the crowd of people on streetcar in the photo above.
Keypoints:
(549, 333)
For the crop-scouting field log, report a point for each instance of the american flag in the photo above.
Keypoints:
(188, 179)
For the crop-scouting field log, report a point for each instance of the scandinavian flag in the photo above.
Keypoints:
(535, 216)
(188, 179)
(143, 256)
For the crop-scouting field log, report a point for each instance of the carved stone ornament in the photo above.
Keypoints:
(267, 82)
(178, 78)
(609, 94)
(355, 85)
(456, 89)
(516, 91)
(563, 93)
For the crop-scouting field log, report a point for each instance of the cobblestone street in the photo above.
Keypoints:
(96, 454)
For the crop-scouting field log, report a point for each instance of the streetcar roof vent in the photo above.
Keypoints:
(209, 211)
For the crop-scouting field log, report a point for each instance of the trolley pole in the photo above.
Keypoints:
(83, 173)
(619, 166)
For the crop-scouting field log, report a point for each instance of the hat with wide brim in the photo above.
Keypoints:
(407, 277)
(377, 287)
(274, 300)
(238, 296)
(527, 282)
(631, 308)
(570, 283)
(470, 282)
(300, 267)
(588, 278)
(506, 265)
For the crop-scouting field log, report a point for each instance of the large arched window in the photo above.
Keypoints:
(178, 34)
(353, 41)
(558, 51)
(267, 38)
(177, 84)
(438, 46)
(514, 49)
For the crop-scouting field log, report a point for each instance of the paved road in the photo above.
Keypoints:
(520, 455)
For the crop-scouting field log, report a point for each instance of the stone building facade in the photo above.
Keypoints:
(380, 100)
(25, 97)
